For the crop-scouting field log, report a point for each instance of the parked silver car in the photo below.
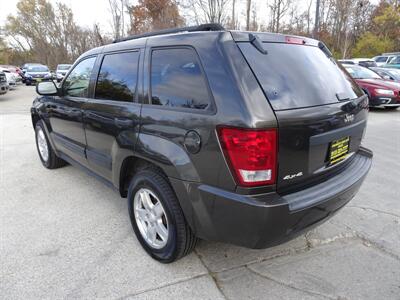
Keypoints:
(61, 70)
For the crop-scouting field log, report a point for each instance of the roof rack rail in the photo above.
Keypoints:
(202, 27)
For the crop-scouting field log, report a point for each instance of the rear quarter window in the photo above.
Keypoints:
(177, 79)
(297, 76)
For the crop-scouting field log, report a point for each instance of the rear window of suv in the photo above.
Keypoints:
(297, 76)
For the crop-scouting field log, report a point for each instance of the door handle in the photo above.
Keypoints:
(123, 123)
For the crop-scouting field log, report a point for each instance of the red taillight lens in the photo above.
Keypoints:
(294, 40)
(251, 154)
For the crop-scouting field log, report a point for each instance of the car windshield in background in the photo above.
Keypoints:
(395, 61)
(63, 67)
(361, 73)
(381, 59)
(38, 69)
(279, 71)
(394, 73)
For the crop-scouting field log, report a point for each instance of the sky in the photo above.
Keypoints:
(88, 12)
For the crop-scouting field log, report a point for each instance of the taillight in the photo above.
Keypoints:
(251, 154)
(294, 40)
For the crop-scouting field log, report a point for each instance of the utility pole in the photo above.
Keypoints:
(316, 26)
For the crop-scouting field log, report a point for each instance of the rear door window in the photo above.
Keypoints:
(117, 77)
(177, 79)
(296, 76)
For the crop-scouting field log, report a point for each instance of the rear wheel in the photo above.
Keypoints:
(46, 153)
(157, 218)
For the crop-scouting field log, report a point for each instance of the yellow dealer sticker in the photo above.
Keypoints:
(338, 150)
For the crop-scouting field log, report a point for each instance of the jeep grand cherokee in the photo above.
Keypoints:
(245, 138)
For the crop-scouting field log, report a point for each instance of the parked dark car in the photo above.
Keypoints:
(346, 61)
(381, 92)
(211, 134)
(37, 73)
(3, 83)
(25, 66)
(364, 62)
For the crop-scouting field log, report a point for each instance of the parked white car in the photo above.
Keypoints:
(11, 78)
(383, 59)
(61, 71)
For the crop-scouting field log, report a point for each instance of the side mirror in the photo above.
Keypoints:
(47, 88)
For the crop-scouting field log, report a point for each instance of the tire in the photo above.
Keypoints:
(180, 239)
(49, 160)
(391, 107)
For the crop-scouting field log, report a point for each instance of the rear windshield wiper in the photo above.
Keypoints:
(257, 43)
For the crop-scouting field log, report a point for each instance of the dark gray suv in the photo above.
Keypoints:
(240, 137)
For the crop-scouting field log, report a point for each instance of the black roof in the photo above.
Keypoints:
(202, 27)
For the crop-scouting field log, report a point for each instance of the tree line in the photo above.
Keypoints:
(48, 33)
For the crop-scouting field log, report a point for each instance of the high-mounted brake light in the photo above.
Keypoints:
(251, 154)
(294, 40)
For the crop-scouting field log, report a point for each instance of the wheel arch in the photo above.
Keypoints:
(129, 167)
(35, 117)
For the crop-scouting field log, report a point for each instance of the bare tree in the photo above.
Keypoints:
(48, 33)
(248, 6)
(278, 9)
(208, 11)
(233, 18)
(308, 16)
(118, 20)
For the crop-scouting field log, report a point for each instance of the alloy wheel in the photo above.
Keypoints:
(151, 218)
(42, 145)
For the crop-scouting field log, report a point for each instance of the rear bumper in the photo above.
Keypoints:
(36, 79)
(264, 220)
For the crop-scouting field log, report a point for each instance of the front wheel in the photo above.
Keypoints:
(157, 218)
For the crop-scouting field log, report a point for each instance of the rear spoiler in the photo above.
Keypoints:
(248, 36)
(257, 39)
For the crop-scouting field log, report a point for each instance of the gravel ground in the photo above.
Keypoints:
(64, 234)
